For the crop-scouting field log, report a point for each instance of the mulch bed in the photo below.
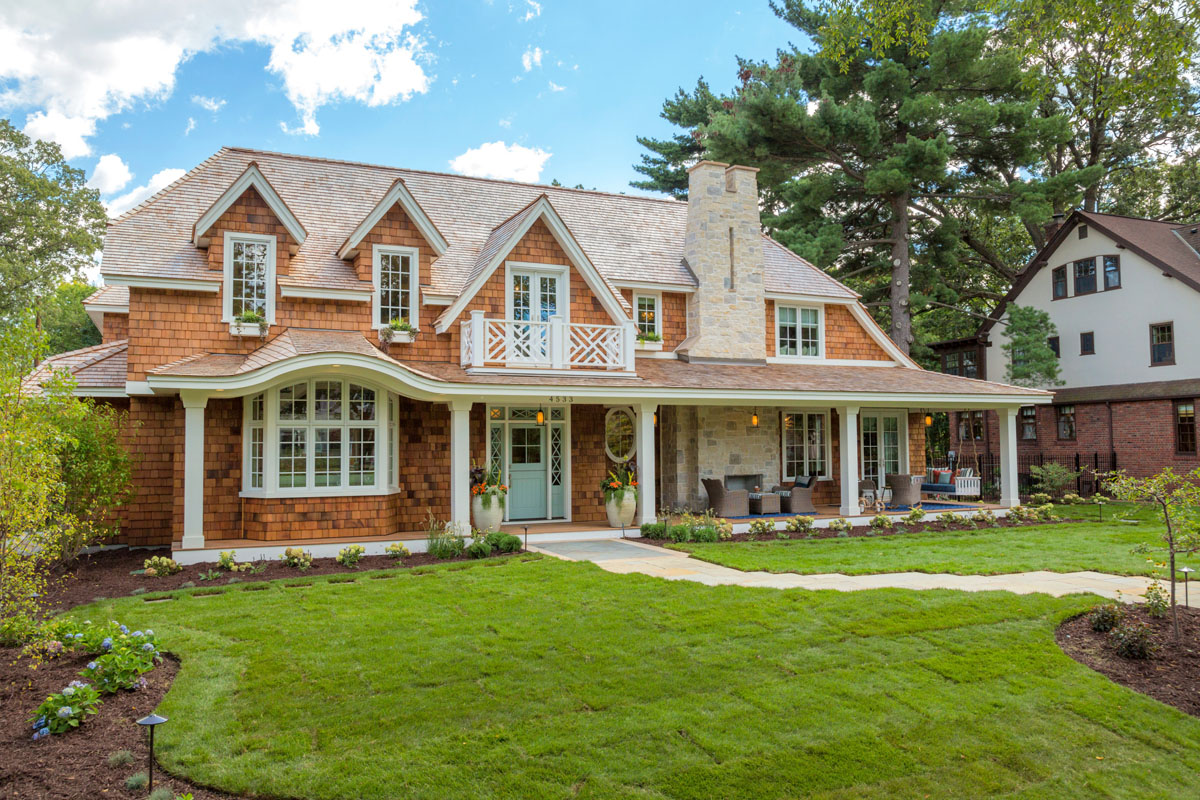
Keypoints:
(1172, 676)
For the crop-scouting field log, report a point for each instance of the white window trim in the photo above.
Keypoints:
(271, 425)
(657, 297)
(633, 452)
(824, 412)
(820, 332)
(901, 430)
(227, 284)
(561, 271)
(414, 300)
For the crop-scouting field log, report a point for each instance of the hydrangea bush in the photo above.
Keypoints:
(350, 555)
(62, 711)
(297, 558)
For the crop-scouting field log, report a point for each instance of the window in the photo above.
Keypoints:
(1059, 281)
(1054, 345)
(961, 363)
(969, 369)
(1028, 420)
(620, 438)
(395, 276)
(1112, 272)
(1083, 231)
(798, 331)
(805, 445)
(249, 286)
(326, 437)
(1162, 344)
(647, 319)
(1087, 343)
(951, 363)
(1185, 426)
(1066, 422)
(970, 426)
(1085, 276)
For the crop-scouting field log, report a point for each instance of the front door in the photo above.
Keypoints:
(527, 472)
(880, 447)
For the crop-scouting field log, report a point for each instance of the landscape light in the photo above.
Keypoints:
(151, 721)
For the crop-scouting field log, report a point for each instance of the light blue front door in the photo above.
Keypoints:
(527, 472)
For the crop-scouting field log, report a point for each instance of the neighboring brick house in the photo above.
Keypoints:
(1124, 295)
(558, 333)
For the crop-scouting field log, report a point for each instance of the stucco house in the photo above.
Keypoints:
(1124, 296)
(557, 333)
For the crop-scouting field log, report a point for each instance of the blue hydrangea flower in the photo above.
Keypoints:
(44, 731)
(64, 712)
(107, 643)
(37, 735)
(136, 633)
(78, 684)
(149, 632)
(92, 665)
(148, 647)
(69, 691)
(123, 629)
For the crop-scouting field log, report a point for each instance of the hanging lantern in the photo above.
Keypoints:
(754, 419)
(928, 420)
(541, 417)
(656, 419)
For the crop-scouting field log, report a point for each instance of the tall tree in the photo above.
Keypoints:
(1030, 359)
(666, 168)
(51, 223)
(64, 319)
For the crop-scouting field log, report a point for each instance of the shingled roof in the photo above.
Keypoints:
(100, 367)
(627, 238)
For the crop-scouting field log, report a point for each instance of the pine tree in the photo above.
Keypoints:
(1031, 359)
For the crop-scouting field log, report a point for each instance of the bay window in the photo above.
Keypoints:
(805, 444)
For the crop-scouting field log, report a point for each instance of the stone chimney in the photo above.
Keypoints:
(723, 247)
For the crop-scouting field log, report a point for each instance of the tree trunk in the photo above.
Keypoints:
(901, 268)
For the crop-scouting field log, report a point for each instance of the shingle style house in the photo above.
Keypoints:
(676, 337)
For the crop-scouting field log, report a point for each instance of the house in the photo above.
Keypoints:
(556, 335)
(1124, 296)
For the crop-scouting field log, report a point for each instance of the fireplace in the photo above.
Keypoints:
(747, 482)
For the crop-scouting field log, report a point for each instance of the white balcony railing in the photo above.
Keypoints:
(552, 345)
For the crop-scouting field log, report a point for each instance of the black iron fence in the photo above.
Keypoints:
(1090, 467)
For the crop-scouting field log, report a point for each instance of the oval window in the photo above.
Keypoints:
(620, 439)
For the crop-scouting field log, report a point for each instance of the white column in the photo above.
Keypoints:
(848, 438)
(647, 469)
(558, 342)
(478, 339)
(627, 345)
(193, 470)
(460, 465)
(1009, 494)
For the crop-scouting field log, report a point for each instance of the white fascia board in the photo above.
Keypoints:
(825, 362)
(647, 286)
(319, 293)
(430, 299)
(141, 388)
(251, 177)
(177, 284)
(101, 391)
(398, 193)
(422, 387)
(868, 323)
(799, 297)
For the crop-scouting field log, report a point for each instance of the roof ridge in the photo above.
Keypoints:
(369, 165)
(177, 182)
(1137, 219)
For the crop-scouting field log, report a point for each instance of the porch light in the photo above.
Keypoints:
(656, 419)
(754, 419)
(151, 721)
(541, 417)
(928, 420)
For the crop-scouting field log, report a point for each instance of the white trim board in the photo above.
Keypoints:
(397, 194)
(252, 177)
(319, 293)
(176, 284)
(647, 286)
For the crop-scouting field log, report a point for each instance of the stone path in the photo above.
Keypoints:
(624, 556)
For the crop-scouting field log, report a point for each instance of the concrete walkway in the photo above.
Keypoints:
(624, 556)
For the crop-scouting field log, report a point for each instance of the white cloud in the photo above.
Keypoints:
(110, 175)
(73, 65)
(532, 57)
(160, 181)
(532, 11)
(499, 160)
(210, 104)
(506, 122)
(191, 126)
(554, 87)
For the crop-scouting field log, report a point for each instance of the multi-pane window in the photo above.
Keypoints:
(396, 286)
(1162, 344)
(805, 440)
(362, 456)
(1087, 343)
(1085, 276)
(1083, 231)
(248, 289)
(961, 363)
(1054, 345)
(327, 457)
(648, 323)
(256, 441)
(798, 331)
(293, 458)
(1112, 272)
(1028, 422)
(970, 426)
(1185, 426)
(1066, 422)
(1059, 282)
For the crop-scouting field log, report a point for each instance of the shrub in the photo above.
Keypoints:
(226, 562)
(479, 548)
(1045, 513)
(297, 558)
(157, 566)
(136, 782)
(120, 758)
(761, 527)
(161, 793)
(881, 522)
(210, 575)
(445, 543)
(1052, 478)
(914, 516)
(705, 533)
(680, 533)
(397, 551)
(984, 516)
(1133, 639)
(1073, 499)
(1039, 499)
(654, 530)
(504, 542)
(947, 518)
(62, 711)
(350, 555)
(841, 526)
(1105, 617)
(124, 658)
(1158, 603)
(800, 524)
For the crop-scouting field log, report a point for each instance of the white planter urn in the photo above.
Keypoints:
(621, 509)
(487, 519)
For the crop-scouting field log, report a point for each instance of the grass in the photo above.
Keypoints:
(1063, 547)
(541, 678)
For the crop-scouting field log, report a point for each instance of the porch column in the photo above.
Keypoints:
(1009, 492)
(848, 437)
(460, 465)
(646, 468)
(193, 470)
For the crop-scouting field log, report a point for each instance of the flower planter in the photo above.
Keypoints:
(487, 519)
(397, 337)
(621, 508)
(655, 347)
(246, 329)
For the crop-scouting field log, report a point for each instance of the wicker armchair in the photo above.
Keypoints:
(726, 502)
(906, 489)
(796, 499)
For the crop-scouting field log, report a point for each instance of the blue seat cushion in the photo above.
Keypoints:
(937, 487)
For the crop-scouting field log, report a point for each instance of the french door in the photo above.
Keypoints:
(882, 443)
(535, 297)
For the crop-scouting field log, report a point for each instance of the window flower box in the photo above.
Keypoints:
(249, 325)
(649, 345)
(388, 336)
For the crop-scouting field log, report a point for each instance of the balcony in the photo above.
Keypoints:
(554, 344)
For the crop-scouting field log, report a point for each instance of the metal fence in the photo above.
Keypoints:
(987, 466)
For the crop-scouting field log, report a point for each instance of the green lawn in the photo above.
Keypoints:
(539, 678)
(1064, 547)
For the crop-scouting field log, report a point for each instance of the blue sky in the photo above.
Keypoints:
(137, 91)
